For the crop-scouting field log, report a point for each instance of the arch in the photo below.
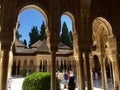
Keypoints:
(109, 71)
(96, 62)
(102, 33)
(65, 65)
(31, 62)
(108, 67)
(96, 67)
(25, 62)
(18, 67)
(72, 19)
(40, 66)
(14, 67)
(61, 65)
(99, 22)
(44, 65)
(39, 8)
(105, 41)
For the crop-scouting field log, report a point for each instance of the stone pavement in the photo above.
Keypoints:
(16, 84)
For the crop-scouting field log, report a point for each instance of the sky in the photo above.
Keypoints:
(31, 17)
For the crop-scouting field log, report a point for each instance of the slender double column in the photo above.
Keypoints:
(89, 72)
(104, 76)
(80, 70)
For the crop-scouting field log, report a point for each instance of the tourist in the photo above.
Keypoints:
(71, 84)
(65, 79)
(96, 75)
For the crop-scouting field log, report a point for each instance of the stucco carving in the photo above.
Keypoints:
(101, 31)
(0, 10)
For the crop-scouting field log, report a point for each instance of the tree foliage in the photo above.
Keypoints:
(71, 36)
(34, 35)
(18, 35)
(42, 32)
(65, 35)
(25, 42)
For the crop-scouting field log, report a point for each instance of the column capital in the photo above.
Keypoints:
(52, 43)
(7, 36)
(7, 39)
(6, 46)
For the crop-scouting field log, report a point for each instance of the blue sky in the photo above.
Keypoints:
(31, 17)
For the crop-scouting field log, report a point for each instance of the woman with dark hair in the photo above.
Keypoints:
(71, 84)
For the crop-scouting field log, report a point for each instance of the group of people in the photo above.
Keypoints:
(69, 80)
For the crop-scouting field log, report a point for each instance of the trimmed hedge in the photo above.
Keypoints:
(23, 72)
(39, 81)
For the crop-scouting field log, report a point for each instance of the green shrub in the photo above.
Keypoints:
(23, 72)
(39, 81)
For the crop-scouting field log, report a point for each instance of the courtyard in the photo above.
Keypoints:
(16, 84)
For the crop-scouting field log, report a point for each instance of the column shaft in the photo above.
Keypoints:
(80, 71)
(104, 76)
(4, 70)
(37, 68)
(1, 56)
(48, 66)
(89, 72)
(53, 71)
(115, 75)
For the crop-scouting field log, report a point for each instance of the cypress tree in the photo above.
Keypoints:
(42, 32)
(18, 35)
(25, 42)
(34, 35)
(71, 42)
(65, 35)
